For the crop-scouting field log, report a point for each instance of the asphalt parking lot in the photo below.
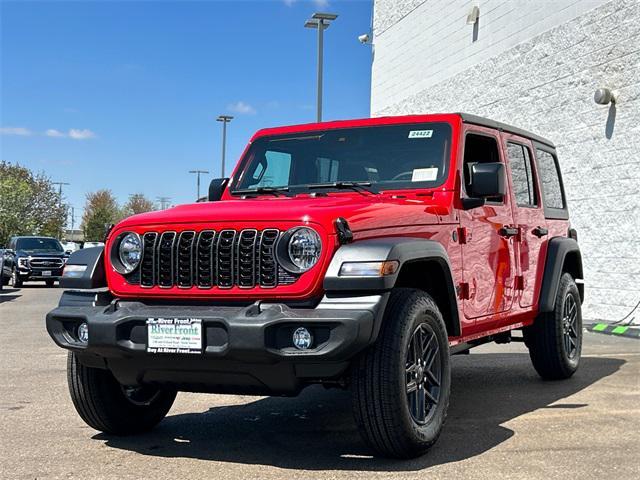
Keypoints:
(504, 422)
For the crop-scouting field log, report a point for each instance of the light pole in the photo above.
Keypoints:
(224, 119)
(60, 184)
(198, 172)
(321, 22)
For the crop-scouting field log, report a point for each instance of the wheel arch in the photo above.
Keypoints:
(424, 264)
(563, 256)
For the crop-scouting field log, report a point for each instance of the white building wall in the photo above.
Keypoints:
(536, 65)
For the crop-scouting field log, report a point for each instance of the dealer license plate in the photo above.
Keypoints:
(174, 335)
(46, 273)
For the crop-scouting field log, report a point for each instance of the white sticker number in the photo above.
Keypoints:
(420, 133)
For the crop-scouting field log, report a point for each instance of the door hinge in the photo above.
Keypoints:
(463, 235)
(463, 291)
(519, 282)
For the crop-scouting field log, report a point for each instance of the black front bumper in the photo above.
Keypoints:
(27, 274)
(246, 349)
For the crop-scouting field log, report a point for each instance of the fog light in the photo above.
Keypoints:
(83, 333)
(302, 338)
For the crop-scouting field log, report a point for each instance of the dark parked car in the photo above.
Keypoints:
(34, 258)
(3, 275)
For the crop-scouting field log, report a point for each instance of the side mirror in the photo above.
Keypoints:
(487, 180)
(216, 188)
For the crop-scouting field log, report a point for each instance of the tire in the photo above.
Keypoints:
(50, 283)
(555, 338)
(103, 404)
(15, 281)
(387, 415)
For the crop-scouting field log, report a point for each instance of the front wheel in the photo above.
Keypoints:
(555, 338)
(14, 280)
(401, 384)
(106, 405)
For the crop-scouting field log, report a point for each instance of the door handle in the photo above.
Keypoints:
(508, 231)
(540, 232)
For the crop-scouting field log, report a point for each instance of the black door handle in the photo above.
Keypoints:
(508, 232)
(540, 232)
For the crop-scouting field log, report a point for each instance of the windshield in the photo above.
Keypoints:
(386, 157)
(39, 245)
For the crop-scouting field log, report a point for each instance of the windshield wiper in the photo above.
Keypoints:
(262, 190)
(357, 186)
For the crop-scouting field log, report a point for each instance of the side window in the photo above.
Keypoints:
(550, 180)
(479, 149)
(522, 175)
(273, 171)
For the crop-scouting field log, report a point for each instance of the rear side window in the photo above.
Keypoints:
(550, 180)
(522, 175)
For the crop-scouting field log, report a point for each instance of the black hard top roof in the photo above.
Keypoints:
(486, 122)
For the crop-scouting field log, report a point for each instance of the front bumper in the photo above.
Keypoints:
(26, 274)
(246, 349)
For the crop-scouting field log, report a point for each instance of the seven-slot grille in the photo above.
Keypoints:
(207, 259)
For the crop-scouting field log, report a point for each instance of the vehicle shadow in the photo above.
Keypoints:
(315, 431)
(7, 294)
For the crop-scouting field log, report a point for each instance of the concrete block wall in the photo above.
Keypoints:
(544, 83)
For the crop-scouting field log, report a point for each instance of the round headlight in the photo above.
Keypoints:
(303, 248)
(130, 252)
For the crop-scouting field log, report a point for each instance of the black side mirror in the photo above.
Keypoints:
(216, 188)
(487, 180)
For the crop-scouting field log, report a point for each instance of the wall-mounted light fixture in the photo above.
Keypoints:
(473, 16)
(604, 96)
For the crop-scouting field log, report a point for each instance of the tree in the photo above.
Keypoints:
(100, 210)
(29, 204)
(137, 203)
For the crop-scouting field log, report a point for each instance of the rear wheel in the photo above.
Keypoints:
(555, 338)
(400, 385)
(106, 405)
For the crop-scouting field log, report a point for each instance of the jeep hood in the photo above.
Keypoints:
(363, 212)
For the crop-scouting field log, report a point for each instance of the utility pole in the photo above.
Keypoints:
(60, 184)
(198, 172)
(224, 119)
(164, 202)
(321, 22)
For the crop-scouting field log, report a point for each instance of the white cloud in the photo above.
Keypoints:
(21, 131)
(52, 132)
(241, 108)
(78, 134)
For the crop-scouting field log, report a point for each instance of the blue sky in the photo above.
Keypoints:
(124, 95)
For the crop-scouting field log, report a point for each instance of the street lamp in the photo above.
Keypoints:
(198, 172)
(321, 22)
(224, 119)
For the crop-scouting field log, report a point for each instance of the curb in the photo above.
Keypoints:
(616, 330)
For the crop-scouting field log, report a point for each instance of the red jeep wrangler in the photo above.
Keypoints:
(356, 254)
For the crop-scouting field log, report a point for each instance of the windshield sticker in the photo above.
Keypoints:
(424, 174)
(420, 133)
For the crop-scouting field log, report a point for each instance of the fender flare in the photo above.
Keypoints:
(405, 250)
(558, 249)
(93, 276)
